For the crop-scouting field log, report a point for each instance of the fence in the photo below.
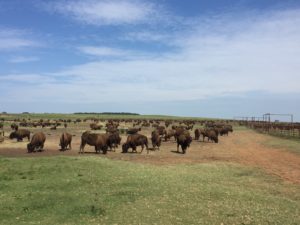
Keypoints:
(275, 128)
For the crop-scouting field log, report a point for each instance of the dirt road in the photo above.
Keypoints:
(243, 147)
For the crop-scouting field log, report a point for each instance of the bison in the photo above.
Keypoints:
(211, 134)
(155, 139)
(133, 130)
(114, 140)
(95, 126)
(97, 140)
(14, 126)
(37, 142)
(65, 141)
(184, 140)
(20, 134)
(197, 134)
(135, 140)
(170, 133)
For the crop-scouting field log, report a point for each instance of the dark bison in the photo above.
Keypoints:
(114, 140)
(197, 134)
(95, 126)
(211, 134)
(224, 130)
(135, 140)
(20, 134)
(179, 131)
(170, 133)
(155, 139)
(1, 128)
(161, 130)
(99, 141)
(65, 141)
(133, 130)
(37, 142)
(184, 140)
(14, 126)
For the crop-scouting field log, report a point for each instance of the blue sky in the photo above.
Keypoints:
(216, 58)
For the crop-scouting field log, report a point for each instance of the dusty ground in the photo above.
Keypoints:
(245, 147)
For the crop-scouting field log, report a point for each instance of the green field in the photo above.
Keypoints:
(95, 190)
(35, 116)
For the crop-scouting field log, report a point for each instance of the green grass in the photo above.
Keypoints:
(36, 116)
(291, 144)
(93, 190)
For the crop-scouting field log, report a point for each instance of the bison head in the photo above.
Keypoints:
(30, 148)
(13, 135)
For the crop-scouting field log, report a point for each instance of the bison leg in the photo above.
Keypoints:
(177, 147)
(142, 148)
(81, 149)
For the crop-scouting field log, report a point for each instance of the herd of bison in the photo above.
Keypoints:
(183, 132)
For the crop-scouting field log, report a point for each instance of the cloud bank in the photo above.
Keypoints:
(212, 57)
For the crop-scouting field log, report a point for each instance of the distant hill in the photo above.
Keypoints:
(108, 113)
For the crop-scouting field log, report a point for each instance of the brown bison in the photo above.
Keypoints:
(133, 130)
(184, 140)
(170, 133)
(14, 126)
(114, 140)
(135, 140)
(97, 140)
(65, 141)
(161, 130)
(211, 134)
(155, 139)
(20, 134)
(94, 126)
(179, 131)
(197, 134)
(37, 142)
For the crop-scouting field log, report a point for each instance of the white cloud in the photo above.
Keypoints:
(146, 36)
(23, 59)
(13, 39)
(102, 51)
(106, 12)
(25, 79)
(230, 57)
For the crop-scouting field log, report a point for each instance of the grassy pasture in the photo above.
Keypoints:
(95, 190)
(35, 116)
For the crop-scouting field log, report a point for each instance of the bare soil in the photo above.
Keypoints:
(244, 147)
